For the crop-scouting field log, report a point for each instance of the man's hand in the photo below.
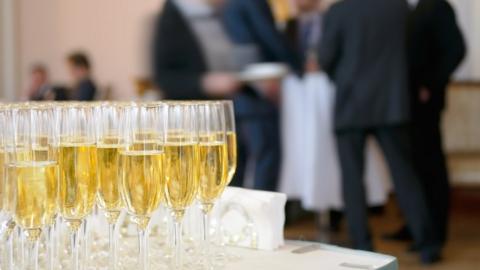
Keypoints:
(219, 84)
(270, 89)
(424, 95)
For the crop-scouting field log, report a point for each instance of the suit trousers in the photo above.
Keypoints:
(430, 163)
(258, 139)
(395, 143)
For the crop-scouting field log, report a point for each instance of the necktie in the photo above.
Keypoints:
(305, 35)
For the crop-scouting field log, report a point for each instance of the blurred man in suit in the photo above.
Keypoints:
(251, 23)
(363, 50)
(191, 52)
(194, 58)
(84, 88)
(305, 32)
(251, 27)
(435, 49)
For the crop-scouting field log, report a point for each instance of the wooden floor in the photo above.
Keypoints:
(461, 253)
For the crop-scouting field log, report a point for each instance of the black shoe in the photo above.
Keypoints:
(376, 210)
(401, 235)
(294, 212)
(335, 220)
(413, 248)
(429, 257)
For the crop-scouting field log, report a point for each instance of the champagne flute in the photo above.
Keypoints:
(34, 179)
(77, 158)
(7, 224)
(180, 167)
(45, 149)
(231, 138)
(12, 152)
(109, 144)
(141, 168)
(212, 165)
(3, 123)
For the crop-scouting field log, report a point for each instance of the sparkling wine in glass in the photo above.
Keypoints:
(180, 167)
(109, 145)
(77, 159)
(141, 168)
(212, 165)
(231, 137)
(33, 176)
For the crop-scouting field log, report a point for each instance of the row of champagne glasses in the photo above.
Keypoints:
(62, 158)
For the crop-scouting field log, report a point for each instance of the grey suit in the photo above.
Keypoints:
(363, 50)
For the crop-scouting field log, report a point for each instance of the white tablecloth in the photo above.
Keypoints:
(310, 170)
(326, 257)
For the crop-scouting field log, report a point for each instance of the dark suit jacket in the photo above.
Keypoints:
(178, 62)
(179, 65)
(292, 36)
(85, 90)
(435, 47)
(252, 22)
(363, 51)
(61, 92)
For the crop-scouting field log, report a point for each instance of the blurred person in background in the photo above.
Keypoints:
(366, 58)
(251, 23)
(314, 102)
(192, 54)
(194, 58)
(39, 85)
(251, 27)
(40, 88)
(84, 88)
(435, 49)
(305, 32)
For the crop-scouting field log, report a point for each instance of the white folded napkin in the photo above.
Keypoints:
(251, 218)
(247, 218)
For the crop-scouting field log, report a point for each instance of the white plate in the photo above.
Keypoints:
(263, 71)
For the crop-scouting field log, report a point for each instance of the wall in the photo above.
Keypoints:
(467, 16)
(113, 32)
(8, 50)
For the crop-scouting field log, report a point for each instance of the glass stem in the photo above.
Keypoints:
(84, 246)
(113, 245)
(206, 233)
(178, 245)
(50, 247)
(21, 241)
(74, 247)
(143, 245)
(10, 264)
(32, 257)
(206, 239)
(59, 240)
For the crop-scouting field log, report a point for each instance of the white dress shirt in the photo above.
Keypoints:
(413, 3)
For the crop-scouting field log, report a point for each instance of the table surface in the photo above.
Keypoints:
(320, 257)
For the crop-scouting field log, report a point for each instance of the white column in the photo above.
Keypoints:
(8, 58)
(1, 52)
(475, 44)
(466, 11)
